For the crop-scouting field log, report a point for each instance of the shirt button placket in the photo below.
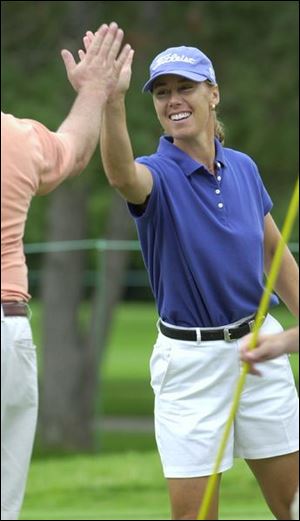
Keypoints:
(217, 190)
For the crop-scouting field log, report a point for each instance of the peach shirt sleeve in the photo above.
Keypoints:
(33, 162)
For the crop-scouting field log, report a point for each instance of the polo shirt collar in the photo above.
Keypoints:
(186, 163)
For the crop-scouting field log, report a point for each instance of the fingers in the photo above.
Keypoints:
(253, 370)
(110, 44)
(247, 358)
(68, 60)
(81, 54)
(107, 40)
(97, 41)
(115, 46)
(130, 57)
(105, 44)
(88, 39)
(125, 58)
(87, 42)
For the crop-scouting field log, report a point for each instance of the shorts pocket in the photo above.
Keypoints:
(25, 344)
(159, 365)
(25, 377)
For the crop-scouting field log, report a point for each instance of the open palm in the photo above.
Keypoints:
(125, 74)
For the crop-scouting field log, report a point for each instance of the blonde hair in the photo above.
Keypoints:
(219, 130)
(218, 125)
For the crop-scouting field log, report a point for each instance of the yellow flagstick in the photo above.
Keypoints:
(262, 310)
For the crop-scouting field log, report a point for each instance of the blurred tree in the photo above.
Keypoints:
(254, 48)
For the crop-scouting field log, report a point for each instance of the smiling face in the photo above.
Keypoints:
(183, 106)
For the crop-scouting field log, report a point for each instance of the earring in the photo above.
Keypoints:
(213, 106)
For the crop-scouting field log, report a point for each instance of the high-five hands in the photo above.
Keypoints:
(122, 85)
(102, 64)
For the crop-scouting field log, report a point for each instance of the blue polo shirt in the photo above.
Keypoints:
(202, 236)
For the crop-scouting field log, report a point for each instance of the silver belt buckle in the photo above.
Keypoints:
(227, 335)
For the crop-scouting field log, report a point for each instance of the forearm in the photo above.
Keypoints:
(287, 284)
(268, 347)
(116, 150)
(291, 340)
(82, 125)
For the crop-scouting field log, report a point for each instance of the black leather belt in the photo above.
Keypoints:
(14, 309)
(195, 335)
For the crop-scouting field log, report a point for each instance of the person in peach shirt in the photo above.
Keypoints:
(34, 161)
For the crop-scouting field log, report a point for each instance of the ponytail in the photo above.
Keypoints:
(219, 130)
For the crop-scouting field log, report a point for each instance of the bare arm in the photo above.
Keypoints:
(287, 285)
(268, 347)
(82, 126)
(93, 78)
(132, 180)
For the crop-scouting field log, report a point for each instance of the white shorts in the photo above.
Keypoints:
(19, 401)
(194, 385)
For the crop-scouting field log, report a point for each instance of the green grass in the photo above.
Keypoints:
(126, 365)
(130, 487)
(130, 344)
(120, 441)
(96, 487)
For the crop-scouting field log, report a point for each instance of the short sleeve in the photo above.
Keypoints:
(58, 157)
(154, 196)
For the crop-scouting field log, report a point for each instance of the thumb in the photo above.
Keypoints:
(68, 60)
